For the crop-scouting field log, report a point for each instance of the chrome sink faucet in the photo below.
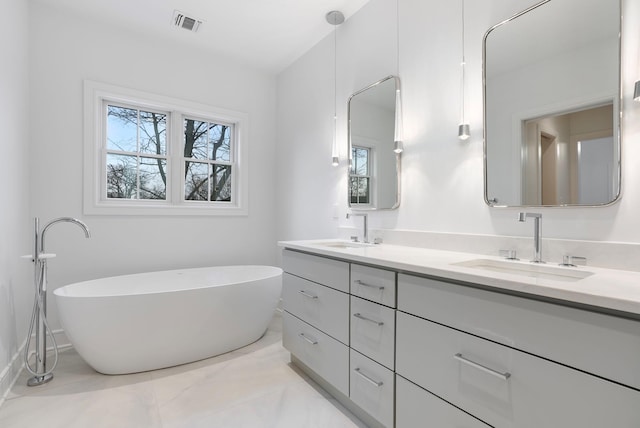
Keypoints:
(365, 234)
(537, 234)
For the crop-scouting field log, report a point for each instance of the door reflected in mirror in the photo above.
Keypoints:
(552, 106)
(374, 168)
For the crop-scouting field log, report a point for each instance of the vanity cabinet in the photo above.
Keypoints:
(416, 407)
(339, 321)
(500, 358)
(407, 350)
(373, 327)
(315, 328)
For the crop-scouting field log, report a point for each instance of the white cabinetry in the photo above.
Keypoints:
(316, 317)
(432, 353)
(416, 407)
(479, 366)
(322, 320)
(373, 328)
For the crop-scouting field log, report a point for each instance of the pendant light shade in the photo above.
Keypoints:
(464, 131)
(397, 135)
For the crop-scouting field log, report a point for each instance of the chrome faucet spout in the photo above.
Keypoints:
(537, 234)
(79, 223)
(365, 233)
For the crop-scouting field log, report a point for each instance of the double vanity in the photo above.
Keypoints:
(409, 337)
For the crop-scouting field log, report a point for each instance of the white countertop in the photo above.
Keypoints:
(610, 289)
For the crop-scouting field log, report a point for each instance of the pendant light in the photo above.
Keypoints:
(397, 135)
(463, 128)
(335, 18)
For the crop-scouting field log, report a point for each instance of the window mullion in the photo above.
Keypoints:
(177, 158)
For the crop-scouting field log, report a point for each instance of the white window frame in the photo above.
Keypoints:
(369, 176)
(95, 201)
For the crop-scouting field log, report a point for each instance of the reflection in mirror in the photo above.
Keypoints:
(551, 87)
(374, 168)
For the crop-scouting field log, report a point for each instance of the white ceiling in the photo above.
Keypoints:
(267, 34)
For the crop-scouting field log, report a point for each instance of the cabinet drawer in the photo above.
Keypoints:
(321, 353)
(605, 345)
(374, 284)
(322, 307)
(415, 406)
(373, 331)
(372, 388)
(329, 272)
(506, 387)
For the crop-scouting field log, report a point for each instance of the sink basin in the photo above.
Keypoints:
(530, 270)
(343, 244)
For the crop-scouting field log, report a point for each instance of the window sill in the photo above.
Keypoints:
(163, 209)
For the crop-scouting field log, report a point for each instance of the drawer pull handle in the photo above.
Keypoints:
(503, 376)
(308, 339)
(309, 295)
(362, 317)
(377, 383)
(379, 287)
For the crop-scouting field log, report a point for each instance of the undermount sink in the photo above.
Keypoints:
(343, 244)
(531, 270)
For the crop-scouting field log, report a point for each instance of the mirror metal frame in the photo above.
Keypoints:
(618, 140)
(398, 156)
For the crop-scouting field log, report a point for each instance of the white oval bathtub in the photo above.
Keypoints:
(147, 321)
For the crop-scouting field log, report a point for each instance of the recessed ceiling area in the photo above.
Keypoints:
(266, 34)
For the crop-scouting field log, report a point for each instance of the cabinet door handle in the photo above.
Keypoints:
(378, 287)
(306, 294)
(503, 376)
(308, 339)
(362, 317)
(377, 383)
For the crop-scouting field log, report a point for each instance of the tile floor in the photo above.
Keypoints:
(252, 387)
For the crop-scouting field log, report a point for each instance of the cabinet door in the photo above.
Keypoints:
(506, 387)
(416, 407)
(377, 285)
(322, 307)
(321, 353)
(329, 272)
(372, 388)
(373, 331)
(604, 345)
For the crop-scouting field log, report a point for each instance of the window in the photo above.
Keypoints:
(147, 154)
(360, 175)
(207, 153)
(136, 153)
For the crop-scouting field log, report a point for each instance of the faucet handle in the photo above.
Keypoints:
(573, 261)
(508, 254)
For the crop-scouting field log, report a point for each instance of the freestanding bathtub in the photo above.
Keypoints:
(134, 323)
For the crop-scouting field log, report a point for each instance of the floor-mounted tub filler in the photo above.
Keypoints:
(147, 321)
(41, 371)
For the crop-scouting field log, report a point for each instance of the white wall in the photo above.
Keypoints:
(66, 50)
(16, 289)
(442, 178)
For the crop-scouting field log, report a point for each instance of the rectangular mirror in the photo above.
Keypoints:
(552, 105)
(374, 166)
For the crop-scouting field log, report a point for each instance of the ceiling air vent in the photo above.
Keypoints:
(183, 21)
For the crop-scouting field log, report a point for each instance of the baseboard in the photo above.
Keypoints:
(12, 371)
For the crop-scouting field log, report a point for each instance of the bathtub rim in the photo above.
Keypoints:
(70, 290)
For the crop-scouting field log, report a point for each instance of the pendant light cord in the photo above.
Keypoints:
(463, 65)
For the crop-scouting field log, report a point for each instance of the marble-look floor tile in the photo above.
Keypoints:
(251, 387)
(127, 405)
